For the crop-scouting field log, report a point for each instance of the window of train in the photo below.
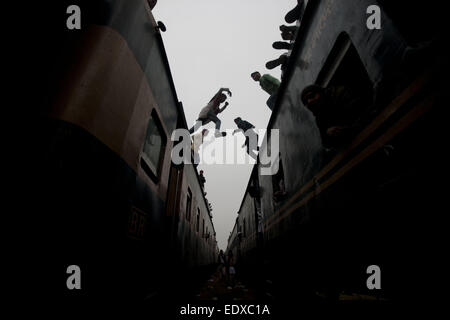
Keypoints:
(351, 92)
(188, 205)
(153, 149)
(342, 58)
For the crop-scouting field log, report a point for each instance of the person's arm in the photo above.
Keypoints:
(237, 130)
(227, 90)
(221, 109)
(216, 96)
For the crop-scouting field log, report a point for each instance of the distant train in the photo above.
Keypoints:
(113, 202)
(372, 201)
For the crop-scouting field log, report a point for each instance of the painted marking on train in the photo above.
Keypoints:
(137, 223)
(74, 20)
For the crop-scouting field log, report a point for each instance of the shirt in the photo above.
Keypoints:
(244, 125)
(204, 112)
(269, 84)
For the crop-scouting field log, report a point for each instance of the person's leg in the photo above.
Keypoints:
(275, 63)
(288, 36)
(196, 126)
(271, 101)
(196, 158)
(280, 45)
(290, 29)
(252, 143)
(212, 117)
(247, 143)
(295, 14)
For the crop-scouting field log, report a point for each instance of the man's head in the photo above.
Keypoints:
(312, 96)
(256, 76)
(222, 97)
(201, 172)
(237, 120)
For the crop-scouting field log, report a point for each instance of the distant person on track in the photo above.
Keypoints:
(222, 264)
(210, 112)
(269, 84)
(231, 270)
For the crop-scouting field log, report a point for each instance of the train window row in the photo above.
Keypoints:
(205, 232)
(152, 159)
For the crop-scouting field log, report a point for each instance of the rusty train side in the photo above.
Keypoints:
(370, 202)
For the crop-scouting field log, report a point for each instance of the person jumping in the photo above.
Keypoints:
(210, 112)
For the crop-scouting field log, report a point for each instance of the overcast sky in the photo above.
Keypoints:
(212, 44)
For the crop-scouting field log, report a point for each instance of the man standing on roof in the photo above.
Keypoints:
(270, 85)
(210, 112)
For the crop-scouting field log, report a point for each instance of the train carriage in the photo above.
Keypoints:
(106, 182)
(347, 208)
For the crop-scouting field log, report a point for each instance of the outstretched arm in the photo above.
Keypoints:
(237, 130)
(221, 109)
(216, 96)
(227, 90)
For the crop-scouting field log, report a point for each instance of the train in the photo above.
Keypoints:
(311, 230)
(111, 200)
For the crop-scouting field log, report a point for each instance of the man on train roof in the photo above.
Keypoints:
(269, 84)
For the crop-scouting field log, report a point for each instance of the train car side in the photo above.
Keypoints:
(106, 164)
(345, 209)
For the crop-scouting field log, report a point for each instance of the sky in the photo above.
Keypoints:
(212, 44)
